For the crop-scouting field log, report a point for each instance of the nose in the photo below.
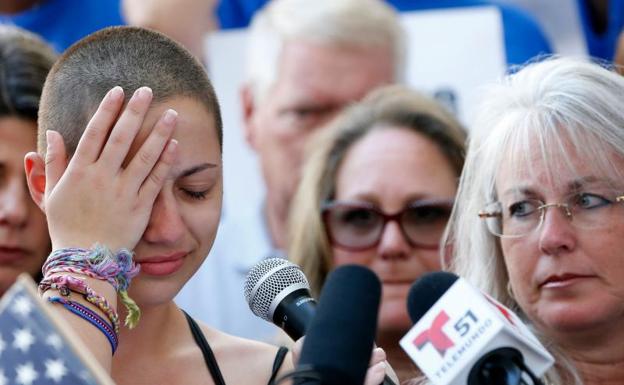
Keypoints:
(557, 235)
(14, 204)
(393, 245)
(165, 224)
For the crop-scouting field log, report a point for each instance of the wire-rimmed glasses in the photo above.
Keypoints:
(585, 210)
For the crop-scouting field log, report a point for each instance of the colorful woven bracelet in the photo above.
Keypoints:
(66, 284)
(100, 263)
(90, 316)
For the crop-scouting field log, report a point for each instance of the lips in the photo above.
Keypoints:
(11, 254)
(559, 280)
(163, 264)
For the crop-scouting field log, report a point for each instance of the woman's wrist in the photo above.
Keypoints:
(70, 286)
(106, 271)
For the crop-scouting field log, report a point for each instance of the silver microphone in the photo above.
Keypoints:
(278, 291)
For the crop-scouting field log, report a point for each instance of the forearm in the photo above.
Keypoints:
(83, 285)
(95, 340)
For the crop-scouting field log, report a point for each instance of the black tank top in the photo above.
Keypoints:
(211, 362)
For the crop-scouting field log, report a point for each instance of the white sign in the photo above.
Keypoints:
(463, 326)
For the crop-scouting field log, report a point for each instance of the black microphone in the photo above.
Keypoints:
(278, 291)
(462, 336)
(426, 291)
(340, 339)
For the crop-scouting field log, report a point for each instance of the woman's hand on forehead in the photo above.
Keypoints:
(92, 198)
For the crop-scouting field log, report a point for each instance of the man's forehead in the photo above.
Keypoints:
(310, 72)
(309, 54)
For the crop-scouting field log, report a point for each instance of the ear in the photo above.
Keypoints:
(249, 109)
(447, 255)
(34, 165)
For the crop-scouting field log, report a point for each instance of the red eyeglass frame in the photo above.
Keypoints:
(328, 205)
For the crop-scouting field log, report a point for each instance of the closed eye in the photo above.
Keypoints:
(197, 195)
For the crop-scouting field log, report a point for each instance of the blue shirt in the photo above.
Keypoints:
(523, 37)
(63, 22)
(602, 44)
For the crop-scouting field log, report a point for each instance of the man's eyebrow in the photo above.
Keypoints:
(196, 169)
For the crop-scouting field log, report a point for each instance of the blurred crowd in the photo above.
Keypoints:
(357, 166)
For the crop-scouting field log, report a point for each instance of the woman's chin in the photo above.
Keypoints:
(149, 293)
(7, 278)
(393, 317)
(578, 319)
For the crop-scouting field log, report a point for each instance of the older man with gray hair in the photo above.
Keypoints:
(306, 61)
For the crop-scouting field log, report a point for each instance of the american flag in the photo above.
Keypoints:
(34, 348)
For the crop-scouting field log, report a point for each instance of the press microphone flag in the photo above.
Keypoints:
(461, 328)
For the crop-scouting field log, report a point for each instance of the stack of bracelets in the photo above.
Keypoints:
(99, 263)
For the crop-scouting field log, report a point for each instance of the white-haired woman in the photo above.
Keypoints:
(539, 219)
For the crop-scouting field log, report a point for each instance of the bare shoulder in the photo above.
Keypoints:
(242, 360)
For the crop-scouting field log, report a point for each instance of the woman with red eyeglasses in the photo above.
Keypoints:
(377, 190)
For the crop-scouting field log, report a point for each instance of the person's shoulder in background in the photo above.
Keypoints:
(524, 37)
(602, 23)
(237, 13)
(63, 22)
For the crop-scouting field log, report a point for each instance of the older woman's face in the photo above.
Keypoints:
(567, 275)
(391, 169)
(24, 240)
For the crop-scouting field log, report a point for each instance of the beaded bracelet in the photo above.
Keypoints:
(65, 284)
(90, 316)
(99, 263)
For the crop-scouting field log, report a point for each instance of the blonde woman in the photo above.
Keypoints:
(377, 190)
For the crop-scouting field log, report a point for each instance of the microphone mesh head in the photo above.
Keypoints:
(266, 280)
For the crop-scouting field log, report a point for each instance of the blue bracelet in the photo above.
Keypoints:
(91, 316)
